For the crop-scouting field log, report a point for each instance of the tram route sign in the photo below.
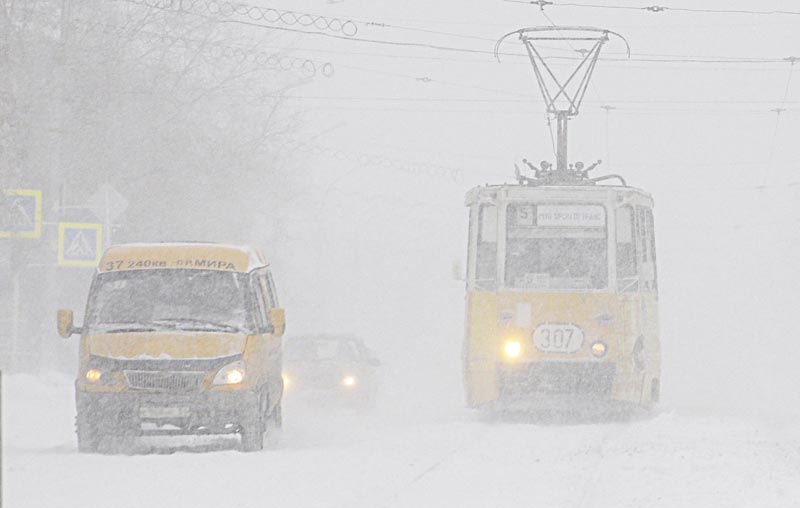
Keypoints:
(571, 215)
(79, 243)
(21, 213)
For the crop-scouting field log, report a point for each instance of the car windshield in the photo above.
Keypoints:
(556, 247)
(149, 300)
(321, 350)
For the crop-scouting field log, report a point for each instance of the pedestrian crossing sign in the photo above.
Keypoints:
(20, 213)
(79, 244)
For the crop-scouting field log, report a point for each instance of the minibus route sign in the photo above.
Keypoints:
(142, 264)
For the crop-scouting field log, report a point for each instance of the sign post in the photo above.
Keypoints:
(107, 204)
(1, 439)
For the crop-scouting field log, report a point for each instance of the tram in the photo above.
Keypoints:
(562, 294)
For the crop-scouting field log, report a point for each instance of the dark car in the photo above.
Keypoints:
(335, 368)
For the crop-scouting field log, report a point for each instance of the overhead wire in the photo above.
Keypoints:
(159, 4)
(780, 109)
(652, 8)
(253, 12)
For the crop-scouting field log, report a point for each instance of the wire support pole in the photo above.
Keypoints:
(562, 118)
(1, 439)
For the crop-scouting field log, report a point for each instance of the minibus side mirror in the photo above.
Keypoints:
(65, 323)
(278, 319)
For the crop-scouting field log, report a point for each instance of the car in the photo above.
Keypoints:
(337, 369)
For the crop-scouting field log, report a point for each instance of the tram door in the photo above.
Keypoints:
(478, 355)
(638, 293)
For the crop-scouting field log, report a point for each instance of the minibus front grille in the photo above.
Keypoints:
(178, 382)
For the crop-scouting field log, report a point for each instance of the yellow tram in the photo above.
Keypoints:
(562, 294)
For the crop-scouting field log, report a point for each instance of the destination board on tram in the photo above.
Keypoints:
(587, 216)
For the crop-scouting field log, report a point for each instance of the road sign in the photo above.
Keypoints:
(107, 204)
(79, 244)
(21, 213)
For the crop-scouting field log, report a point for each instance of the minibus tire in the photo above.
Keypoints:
(253, 436)
(88, 438)
(277, 416)
(252, 429)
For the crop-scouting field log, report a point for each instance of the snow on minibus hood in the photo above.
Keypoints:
(165, 345)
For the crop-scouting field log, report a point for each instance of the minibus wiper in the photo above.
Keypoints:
(116, 328)
(195, 324)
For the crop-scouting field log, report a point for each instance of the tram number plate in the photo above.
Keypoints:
(558, 338)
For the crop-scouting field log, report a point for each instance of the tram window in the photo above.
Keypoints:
(627, 275)
(651, 237)
(566, 256)
(641, 234)
(648, 269)
(486, 254)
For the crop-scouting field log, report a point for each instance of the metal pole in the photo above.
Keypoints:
(561, 150)
(107, 226)
(1, 439)
(608, 134)
(15, 314)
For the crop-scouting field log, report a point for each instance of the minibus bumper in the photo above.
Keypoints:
(148, 413)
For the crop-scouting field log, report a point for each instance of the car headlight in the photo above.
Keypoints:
(348, 381)
(231, 374)
(512, 349)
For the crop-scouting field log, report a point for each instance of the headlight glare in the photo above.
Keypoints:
(348, 381)
(599, 349)
(94, 375)
(512, 348)
(231, 374)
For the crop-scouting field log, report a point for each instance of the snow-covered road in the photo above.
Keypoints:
(394, 457)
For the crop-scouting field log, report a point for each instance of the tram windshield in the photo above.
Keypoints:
(556, 247)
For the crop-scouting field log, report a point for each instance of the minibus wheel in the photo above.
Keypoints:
(252, 437)
(277, 416)
(88, 438)
(252, 429)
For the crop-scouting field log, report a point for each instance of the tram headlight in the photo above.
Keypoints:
(512, 349)
(599, 349)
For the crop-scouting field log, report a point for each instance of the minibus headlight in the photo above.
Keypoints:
(231, 374)
(94, 375)
(599, 349)
(512, 348)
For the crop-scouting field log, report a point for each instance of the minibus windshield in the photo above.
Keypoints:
(168, 299)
